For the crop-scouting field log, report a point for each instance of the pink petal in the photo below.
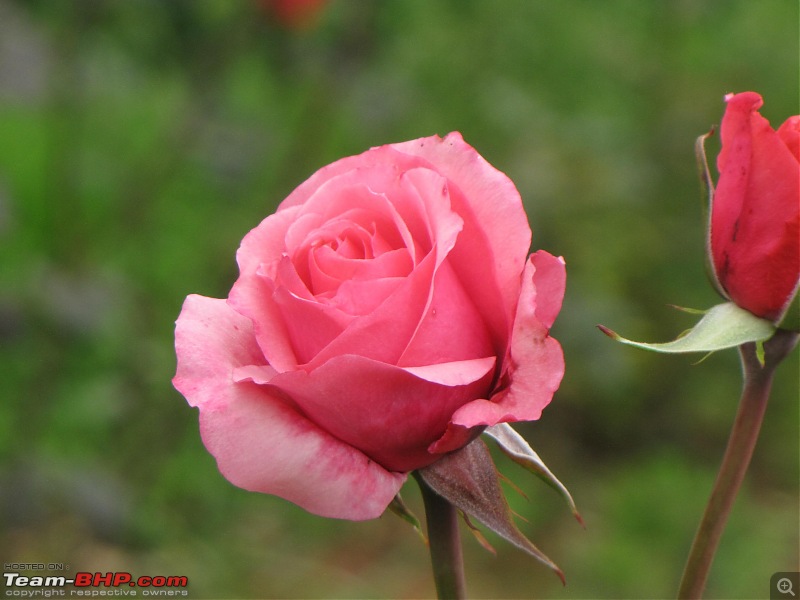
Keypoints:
(259, 257)
(496, 236)
(390, 414)
(310, 325)
(536, 359)
(549, 282)
(265, 244)
(383, 156)
(287, 276)
(452, 329)
(260, 442)
(364, 297)
(395, 263)
(254, 373)
(454, 373)
(363, 196)
(263, 445)
(384, 334)
(202, 367)
(252, 296)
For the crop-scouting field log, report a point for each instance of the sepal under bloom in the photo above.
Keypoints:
(468, 479)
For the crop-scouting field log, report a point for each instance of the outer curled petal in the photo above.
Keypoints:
(260, 441)
(263, 445)
(536, 363)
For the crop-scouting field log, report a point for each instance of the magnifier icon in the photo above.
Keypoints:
(784, 586)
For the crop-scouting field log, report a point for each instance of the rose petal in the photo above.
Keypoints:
(287, 276)
(202, 365)
(454, 373)
(252, 296)
(483, 197)
(260, 442)
(389, 413)
(264, 245)
(549, 283)
(384, 334)
(395, 263)
(755, 217)
(496, 233)
(262, 445)
(789, 133)
(536, 359)
(382, 156)
(363, 297)
(452, 328)
(362, 196)
(254, 373)
(310, 325)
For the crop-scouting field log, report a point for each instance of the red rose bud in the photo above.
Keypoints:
(754, 233)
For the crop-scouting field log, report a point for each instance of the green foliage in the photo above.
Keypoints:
(139, 141)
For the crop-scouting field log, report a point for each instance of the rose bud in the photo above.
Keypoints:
(383, 316)
(754, 233)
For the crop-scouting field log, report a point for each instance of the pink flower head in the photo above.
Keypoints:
(383, 316)
(755, 213)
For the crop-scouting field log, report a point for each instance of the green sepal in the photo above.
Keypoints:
(517, 449)
(707, 186)
(723, 326)
(468, 479)
(398, 507)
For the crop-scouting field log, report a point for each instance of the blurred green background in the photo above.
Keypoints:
(141, 139)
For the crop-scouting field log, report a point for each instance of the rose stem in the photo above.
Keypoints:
(742, 441)
(445, 545)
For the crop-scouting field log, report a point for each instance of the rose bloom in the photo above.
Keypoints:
(383, 316)
(754, 237)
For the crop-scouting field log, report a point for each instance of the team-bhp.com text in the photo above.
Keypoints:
(90, 584)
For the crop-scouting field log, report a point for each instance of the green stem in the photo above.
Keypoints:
(445, 544)
(742, 441)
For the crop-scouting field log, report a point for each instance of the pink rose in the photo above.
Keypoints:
(383, 316)
(755, 213)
